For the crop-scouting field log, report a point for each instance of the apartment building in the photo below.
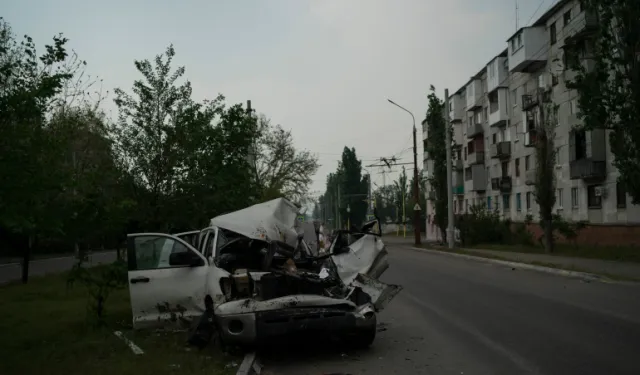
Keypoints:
(495, 117)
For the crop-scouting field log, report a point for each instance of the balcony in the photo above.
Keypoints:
(583, 24)
(474, 94)
(530, 177)
(527, 52)
(458, 190)
(500, 150)
(457, 108)
(478, 180)
(476, 158)
(503, 184)
(497, 73)
(458, 165)
(474, 130)
(587, 169)
(498, 104)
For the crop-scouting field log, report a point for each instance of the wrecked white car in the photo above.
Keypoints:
(255, 275)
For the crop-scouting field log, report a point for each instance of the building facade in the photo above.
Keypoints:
(495, 116)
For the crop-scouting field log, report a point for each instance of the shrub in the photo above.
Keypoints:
(100, 281)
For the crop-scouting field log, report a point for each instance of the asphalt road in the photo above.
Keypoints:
(13, 271)
(458, 316)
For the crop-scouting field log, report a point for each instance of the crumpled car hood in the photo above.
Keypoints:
(269, 221)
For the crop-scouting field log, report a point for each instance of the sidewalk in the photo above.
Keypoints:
(625, 270)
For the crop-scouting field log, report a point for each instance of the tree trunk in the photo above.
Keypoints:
(548, 236)
(26, 257)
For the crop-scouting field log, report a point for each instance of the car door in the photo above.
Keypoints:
(167, 279)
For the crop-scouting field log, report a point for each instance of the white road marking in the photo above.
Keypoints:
(134, 348)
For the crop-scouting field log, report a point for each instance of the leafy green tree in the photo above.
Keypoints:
(353, 188)
(545, 152)
(401, 197)
(436, 147)
(386, 206)
(280, 169)
(29, 150)
(605, 58)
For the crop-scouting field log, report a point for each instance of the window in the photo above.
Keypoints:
(467, 174)
(526, 162)
(575, 198)
(517, 161)
(153, 252)
(518, 202)
(554, 80)
(505, 202)
(466, 205)
(458, 154)
(594, 200)
(519, 40)
(505, 169)
(485, 114)
(566, 18)
(497, 203)
(528, 197)
(513, 45)
(488, 203)
(514, 97)
(495, 138)
(559, 199)
(621, 195)
(552, 34)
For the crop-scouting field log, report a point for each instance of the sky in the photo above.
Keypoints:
(322, 68)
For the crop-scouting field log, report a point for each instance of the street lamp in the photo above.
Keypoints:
(416, 186)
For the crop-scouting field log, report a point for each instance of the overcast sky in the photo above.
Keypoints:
(322, 68)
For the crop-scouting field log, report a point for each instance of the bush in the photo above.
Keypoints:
(100, 281)
(482, 226)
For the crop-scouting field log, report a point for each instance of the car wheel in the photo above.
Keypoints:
(363, 338)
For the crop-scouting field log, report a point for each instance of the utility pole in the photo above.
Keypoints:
(447, 127)
(416, 184)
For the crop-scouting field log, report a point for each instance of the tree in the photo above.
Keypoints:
(29, 149)
(436, 147)
(401, 196)
(353, 188)
(280, 169)
(545, 153)
(386, 206)
(605, 58)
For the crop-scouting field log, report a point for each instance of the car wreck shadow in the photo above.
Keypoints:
(296, 350)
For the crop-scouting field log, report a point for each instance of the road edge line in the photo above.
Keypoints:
(134, 348)
(520, 265)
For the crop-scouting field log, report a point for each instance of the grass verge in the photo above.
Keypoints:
(606, 276)
(44, 330)
(615, 253)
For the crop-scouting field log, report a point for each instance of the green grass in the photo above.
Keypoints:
(606, 276)
(44, 330)
(616, 253)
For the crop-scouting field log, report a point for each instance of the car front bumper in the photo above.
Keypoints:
(262, 326)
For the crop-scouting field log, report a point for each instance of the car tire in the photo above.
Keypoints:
(363, 338)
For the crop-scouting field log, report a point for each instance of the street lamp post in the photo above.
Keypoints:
(348, 217)
(416, 185)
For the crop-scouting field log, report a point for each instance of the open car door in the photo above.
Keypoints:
(167, 279)
(361, 258)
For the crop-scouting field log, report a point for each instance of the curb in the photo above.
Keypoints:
(554, 271)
